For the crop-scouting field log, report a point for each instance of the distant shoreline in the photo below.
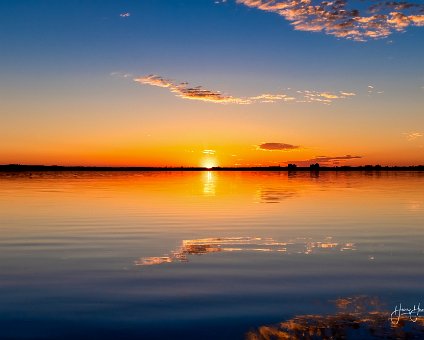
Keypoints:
(313, 167)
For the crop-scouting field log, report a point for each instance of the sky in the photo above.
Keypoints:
(211, 82)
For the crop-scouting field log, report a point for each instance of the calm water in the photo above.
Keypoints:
(208, 255)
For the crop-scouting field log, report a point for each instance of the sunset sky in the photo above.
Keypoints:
(211, 82)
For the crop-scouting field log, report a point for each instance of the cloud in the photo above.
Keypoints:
(209, 152)
(121, 75)
(410, 136)
(271, 98)
(125, 15)
(183, 90)
(325, 160)
(155, 81)
(277, 147)
(323, 97)
(371, 90)
(359, 21)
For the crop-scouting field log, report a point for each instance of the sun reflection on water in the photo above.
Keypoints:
(209, 184)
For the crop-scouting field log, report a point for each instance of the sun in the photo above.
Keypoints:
(209, 163)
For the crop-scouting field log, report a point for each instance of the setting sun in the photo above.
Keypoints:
(209, 163)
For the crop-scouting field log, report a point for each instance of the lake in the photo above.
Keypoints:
(211, 255)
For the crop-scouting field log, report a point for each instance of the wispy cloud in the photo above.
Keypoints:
(356, 20)
(209, 152)
(277, 147)
(323, 97)
(410, 136)
(121, 75)
(271, 98)
(325, 160)
(125, 15)
(371, 90)
(183, 90)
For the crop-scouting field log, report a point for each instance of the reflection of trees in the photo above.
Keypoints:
(357, 318)
(246, 244)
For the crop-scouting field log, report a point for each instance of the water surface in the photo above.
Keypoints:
(207, 255)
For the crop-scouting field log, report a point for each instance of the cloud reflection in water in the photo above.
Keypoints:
(245, 244)
(358, 317)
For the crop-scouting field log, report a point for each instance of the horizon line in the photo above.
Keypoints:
(289, 167)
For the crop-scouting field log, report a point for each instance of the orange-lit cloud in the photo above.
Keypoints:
(277, 147)
(183, 90)
(195, 93)
(344, 18)
(325, 160)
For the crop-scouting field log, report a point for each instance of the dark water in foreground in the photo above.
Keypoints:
(198, 255)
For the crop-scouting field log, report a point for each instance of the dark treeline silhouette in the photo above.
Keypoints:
(290, 168)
